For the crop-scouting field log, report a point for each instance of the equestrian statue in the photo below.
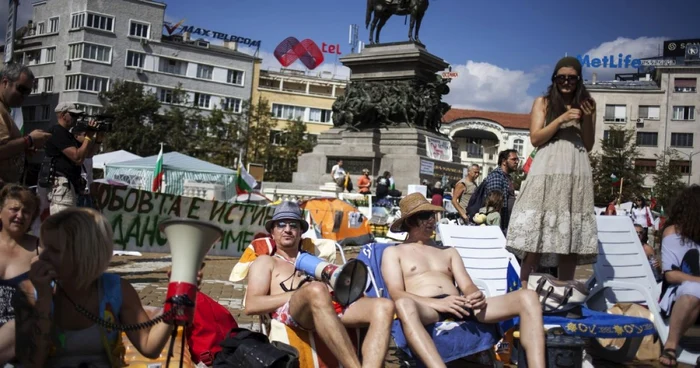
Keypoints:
(384, 9)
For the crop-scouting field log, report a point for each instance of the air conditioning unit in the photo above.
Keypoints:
(144, 41)
(640, 123)
(67, 63)
(139, 71)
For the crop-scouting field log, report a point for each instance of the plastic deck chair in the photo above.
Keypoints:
(622, 274)
(483, 251)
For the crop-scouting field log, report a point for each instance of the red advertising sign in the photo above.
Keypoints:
(306, 51)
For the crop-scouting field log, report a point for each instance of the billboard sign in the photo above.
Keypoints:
(306, 51)
(612, 62)
(10, 34)
(179, 28)
(676, 48)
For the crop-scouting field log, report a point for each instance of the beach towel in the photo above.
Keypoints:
(453, 340)
(322, 248)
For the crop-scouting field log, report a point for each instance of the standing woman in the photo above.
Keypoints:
(552, 224)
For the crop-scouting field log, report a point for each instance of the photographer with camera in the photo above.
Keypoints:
(65, 155)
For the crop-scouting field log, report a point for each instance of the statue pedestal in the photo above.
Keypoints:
(401, 151)
(391, 110)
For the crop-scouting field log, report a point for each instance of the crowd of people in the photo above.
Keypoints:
(50, 286)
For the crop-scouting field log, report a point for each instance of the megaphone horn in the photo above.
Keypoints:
(347, 281)
(190, 240)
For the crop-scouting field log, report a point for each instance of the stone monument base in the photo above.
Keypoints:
(401, 151)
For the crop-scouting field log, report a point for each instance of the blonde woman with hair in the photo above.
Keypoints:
(69, 275)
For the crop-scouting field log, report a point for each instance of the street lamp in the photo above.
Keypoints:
(690, 161)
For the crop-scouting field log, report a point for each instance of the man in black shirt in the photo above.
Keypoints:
(67, 156)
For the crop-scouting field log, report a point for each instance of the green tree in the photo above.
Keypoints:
(180, 126)
(260, 124)
(221, 136)
(136, 116)
(617, 156)
(667, 180)
(283, 163)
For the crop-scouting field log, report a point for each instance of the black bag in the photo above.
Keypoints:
(476, 201)
(245, 348)
(47, 172)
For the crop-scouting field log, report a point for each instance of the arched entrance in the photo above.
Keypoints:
(478, 141)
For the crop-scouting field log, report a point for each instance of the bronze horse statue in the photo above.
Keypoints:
(384, 9)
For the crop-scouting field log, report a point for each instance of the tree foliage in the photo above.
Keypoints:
(283, 163)
(617, 156)
(258, 134)
(668, 181)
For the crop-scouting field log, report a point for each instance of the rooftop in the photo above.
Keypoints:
(505, 119)
(325, 76)
(195, 44)
(639, 85)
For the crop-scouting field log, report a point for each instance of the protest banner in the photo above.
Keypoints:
(135, 214)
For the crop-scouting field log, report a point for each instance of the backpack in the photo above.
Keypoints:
(477, 200)
(248, 349)
(211, 325)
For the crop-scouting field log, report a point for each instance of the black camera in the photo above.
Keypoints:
(103, 123)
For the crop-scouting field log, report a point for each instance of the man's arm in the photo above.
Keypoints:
(9, 147)
(459, 190)
(32, 326)
(78, 155)
(462, 278)
(258, 298)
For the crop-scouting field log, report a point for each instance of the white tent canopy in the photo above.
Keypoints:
(99, 161)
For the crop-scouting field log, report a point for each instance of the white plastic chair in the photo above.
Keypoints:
(483, 251)
(622, 274)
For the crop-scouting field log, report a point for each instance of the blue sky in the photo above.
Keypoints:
(503, 49)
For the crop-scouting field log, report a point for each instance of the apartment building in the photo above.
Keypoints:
(79, 48)
(296, 94)
(662, 108)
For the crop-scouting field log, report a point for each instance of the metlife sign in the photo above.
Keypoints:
(10, 34)
(612, 62)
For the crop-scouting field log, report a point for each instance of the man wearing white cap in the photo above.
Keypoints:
(66, 155)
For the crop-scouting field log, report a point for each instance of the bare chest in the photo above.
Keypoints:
(417, 261)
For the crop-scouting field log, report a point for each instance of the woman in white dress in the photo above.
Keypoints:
(552, 223)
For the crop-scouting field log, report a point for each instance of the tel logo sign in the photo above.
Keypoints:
(306, 51)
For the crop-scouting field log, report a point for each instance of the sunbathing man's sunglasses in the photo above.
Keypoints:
(283, 224)
(425, 215)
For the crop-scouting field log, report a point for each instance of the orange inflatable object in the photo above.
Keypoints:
(134, 359)
(338, 220)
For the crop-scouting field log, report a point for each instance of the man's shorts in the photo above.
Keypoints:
(283, 315)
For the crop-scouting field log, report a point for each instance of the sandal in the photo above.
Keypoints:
(670, 356)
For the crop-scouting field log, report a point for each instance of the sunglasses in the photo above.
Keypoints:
(283, 224)
(566, 79)
(425, 215)
(24, 90)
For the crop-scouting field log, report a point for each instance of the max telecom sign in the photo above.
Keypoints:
(619, 62)
(171, 29)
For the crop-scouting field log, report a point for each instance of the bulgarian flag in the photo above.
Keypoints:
(528, 163)
(158, 172)
(244, 181)
(615, 180)
(18, 118)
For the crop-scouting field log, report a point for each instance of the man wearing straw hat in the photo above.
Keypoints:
(421, 276)
(275, 287)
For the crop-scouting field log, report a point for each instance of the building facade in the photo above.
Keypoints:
(295, 94)
(79, 48)
(662, 109)
(481, 135)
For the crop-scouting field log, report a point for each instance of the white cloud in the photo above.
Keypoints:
(642, 47)
(484, 86)
(24, 14)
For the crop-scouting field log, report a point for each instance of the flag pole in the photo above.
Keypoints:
(619, 197)
(160, 190)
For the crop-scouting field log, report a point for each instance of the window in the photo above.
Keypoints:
(44, 112)
(649, 112)
(204, 71)
(615, 137)
(232, 104)
(278, 138)
(53, 25)
(683, 112)
(29, 113)
(319, 115)
(518, 145)
(35, 86)
(77, 20)
(681, 165)
(135, 59)
(616, 113)
(41, 28)
(172, 66)
(165, 95)
(201, 100)
(91, 20)
(89, 51)
(685, 85)
(44, 84)
(139, 29)
(647, 139)
(36, 113)
(681, 139)
(645, 165)
(48, 84)
(50, 55)
(235, 77)
(87, 83)
(32, 57)
(288, 112)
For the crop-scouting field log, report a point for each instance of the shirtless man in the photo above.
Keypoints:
(275, 287)
(421, 276)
